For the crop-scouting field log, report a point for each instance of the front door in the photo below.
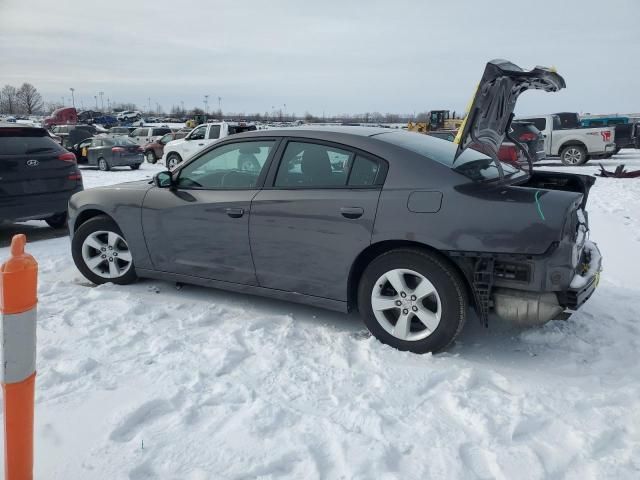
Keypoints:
(201, 227)
(309, 227)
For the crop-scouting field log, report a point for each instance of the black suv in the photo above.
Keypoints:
(37, 176)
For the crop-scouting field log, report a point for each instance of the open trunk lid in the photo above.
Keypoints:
(491, 110)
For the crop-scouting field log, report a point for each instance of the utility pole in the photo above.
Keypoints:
(206, 104)
(149, 103)
(96, 99)
(73, 99)
(219, 100)
(108, 104)
(101, 100)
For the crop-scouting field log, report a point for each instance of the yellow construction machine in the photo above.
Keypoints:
(438, 120)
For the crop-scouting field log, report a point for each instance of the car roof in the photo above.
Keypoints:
(384, 142)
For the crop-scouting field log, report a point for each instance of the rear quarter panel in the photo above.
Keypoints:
(595, 139)
(473, 217)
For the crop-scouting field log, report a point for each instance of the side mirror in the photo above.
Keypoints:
(163, 180)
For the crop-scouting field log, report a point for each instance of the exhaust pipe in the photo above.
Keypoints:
(526, 309)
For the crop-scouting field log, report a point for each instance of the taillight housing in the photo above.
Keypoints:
(527, 137)
(67, 157)
(508, 153)
(117, 149)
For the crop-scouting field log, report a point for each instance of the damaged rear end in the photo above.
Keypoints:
(559, 266)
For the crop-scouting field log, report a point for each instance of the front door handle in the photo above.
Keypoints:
(351, 212)
(235, 212)
(200, 144)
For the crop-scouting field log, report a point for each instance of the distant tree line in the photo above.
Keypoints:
(18, 101)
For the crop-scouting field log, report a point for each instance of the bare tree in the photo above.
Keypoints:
(29, 99)
(8, 99)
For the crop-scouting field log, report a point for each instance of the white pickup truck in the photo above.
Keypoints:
(574, 146)
(199, 138)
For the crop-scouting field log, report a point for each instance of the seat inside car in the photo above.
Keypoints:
(316, 167)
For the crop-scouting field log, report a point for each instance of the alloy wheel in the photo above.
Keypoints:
(573, 156)
(106, 254)
(406, 304)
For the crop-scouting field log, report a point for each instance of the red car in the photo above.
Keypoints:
(62, 116)
(154, 150)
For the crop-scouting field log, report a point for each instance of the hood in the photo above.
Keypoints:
(174, 142)
(491, 110)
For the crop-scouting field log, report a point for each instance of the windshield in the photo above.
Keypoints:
(473, 164)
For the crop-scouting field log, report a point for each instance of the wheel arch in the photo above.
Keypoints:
(374, 250)
(87, 215)
(573, 143)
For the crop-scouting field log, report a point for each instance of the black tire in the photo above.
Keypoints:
(448, 283)
(101, 222)
(103, 165)
(173, 159)
(135, 166)
(574, 155)
(59, 220)
(150, 157)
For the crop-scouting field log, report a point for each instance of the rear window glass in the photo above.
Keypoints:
(540, 123)
(471, 163)
(10, 144)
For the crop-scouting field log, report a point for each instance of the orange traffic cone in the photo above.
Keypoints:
(18, 299)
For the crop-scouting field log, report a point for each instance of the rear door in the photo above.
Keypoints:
(32, 163)
(308, 227)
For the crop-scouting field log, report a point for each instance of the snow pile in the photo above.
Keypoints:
(147, 381)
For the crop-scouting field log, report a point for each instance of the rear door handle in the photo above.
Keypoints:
(235, 212)
(351, 212)
(200, 144)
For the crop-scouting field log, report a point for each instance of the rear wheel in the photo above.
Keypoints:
(412, 300)
(101, 252)
(172, 160)
(58, 220)
(103, 165)
(573, 155)
(150, 157)
(135, 166)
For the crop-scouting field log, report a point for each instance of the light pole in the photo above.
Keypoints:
(101, 100)
(62, 100)
(285, 112)
(108, 104)
(73, 99)
(149, 103)
(182, 106)
(219, 100)
(96, 99)
(206, 104)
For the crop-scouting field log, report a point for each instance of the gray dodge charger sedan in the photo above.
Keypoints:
(407, 229)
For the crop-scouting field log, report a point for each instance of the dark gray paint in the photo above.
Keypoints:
(303, 248)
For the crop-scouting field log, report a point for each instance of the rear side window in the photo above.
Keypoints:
(25, 145)
(540, 123)
(160, 131)
(214, 132)
(139, 132)
(312, 165)
(364, 172)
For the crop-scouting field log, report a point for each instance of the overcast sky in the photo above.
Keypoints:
(332, 56)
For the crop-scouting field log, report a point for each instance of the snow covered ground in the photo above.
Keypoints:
(147, 381)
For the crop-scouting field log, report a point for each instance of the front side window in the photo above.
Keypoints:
(139, 132)
(166, 139)
(198, 133)
(234, 165)
(96, 143)
(159, 131)
(313, 165)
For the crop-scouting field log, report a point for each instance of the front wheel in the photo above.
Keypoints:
(101, 252)
(413, 300)
(150, 156)
(574, 155)
(172, 160)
